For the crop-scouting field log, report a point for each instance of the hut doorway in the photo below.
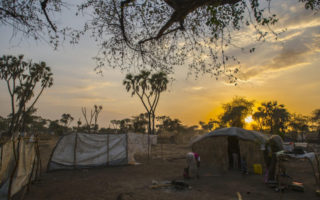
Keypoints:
(233, 152)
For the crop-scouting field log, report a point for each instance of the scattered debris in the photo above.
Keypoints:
(280, 188)
(180, 185)
(157, 185)
(177, 185)
(272, 183)
(125, 196)
(296, 186)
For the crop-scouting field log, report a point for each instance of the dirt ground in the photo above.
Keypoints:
(133, 182)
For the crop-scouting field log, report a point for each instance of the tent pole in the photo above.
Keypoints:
(149, 148)
(108, 150)
(75, 152)
(127, 146)
(37, 148)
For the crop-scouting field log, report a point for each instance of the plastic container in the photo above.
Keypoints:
(257, 169)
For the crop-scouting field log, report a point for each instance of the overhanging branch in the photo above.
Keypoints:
(43, 7)
(181, 9)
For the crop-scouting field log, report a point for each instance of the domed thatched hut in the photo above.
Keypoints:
(217, 148)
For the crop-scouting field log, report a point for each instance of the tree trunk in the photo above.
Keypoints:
(153, 116)
(149, 132)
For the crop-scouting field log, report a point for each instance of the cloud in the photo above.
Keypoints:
(300, 19)
(87, 85)
(195, 89)
(296, 49)
(288, 35)
(93, 98)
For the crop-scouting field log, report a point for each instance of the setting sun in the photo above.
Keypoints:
(248, 119)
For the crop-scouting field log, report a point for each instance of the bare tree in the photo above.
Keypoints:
(94, 114)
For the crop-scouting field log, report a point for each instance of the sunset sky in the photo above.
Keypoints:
(286, 70)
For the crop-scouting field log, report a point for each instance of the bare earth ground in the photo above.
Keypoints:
(133, 182)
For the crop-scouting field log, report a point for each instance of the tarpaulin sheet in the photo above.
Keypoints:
(89, 150)
(27, 156)
(7, 167)
(17, 174)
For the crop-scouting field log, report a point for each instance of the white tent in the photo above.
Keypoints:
(82, 150)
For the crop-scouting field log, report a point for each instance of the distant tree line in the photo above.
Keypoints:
(270, 117)
(139, 124)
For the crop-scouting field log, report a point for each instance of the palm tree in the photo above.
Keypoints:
(158, 84)
(148, 88)
(22, 78)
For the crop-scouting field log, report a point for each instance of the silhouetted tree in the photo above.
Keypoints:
(66, 120)
(39, 125)
(140, 123)
(299, 124)
(148, 88)
(79, 124)
(165, 33)
(115, 123)
(275, 117)
(4, 124)
(136, 124)
(161, 33)
(211, 125)
(32, 18)
(259, 118)
(168, 124)
(94, 114)
(315, 118)
(236, 111)
(107, 131)
(22, 79)
(55, 127)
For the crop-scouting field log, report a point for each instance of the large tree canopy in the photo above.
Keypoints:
(164, 34)
(160, 34)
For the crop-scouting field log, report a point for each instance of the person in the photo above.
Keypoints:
(235, 161)
(274, 145)
(193, 165)
(244, 167)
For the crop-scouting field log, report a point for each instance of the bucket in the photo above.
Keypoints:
(257, 169)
